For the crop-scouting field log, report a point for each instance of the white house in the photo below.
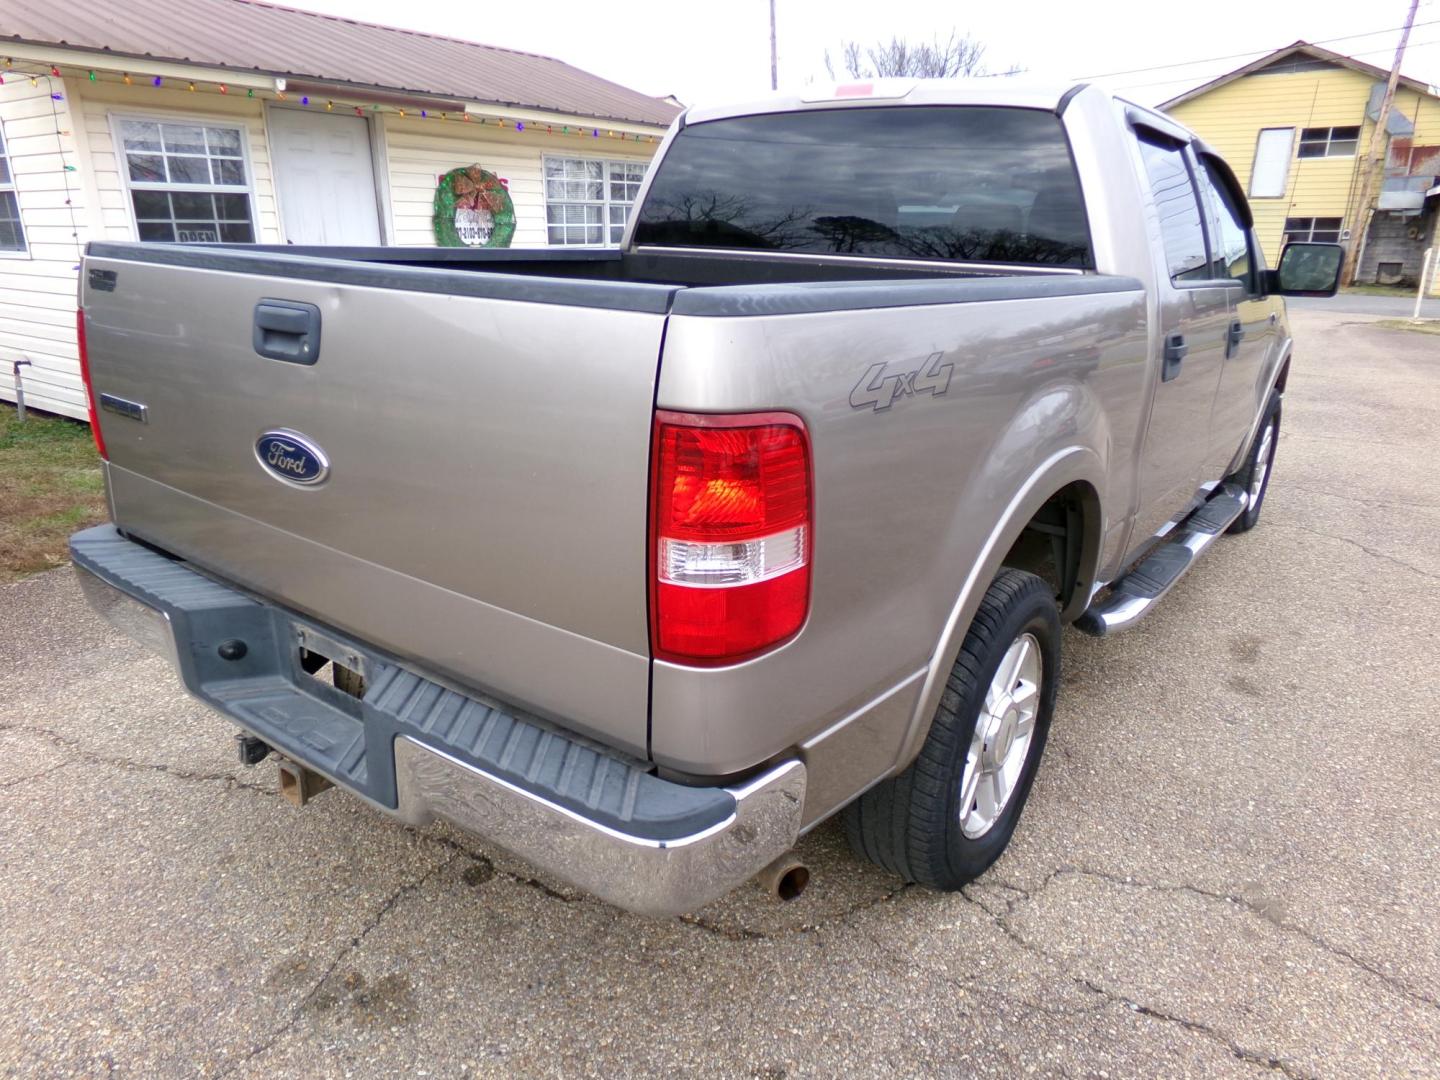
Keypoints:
(226, 120)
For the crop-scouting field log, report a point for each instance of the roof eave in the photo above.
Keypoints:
(1298, 47)
(182, 67)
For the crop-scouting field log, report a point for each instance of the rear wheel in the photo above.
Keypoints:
(947, 817)
(1254, 475)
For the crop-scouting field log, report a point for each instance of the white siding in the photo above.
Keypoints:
(419, 152)
(37, 287)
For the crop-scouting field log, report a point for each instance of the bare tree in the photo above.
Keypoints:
(957, 57)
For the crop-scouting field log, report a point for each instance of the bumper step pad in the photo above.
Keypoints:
(352, 741)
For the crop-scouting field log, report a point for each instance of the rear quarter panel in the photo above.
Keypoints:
(914, 498)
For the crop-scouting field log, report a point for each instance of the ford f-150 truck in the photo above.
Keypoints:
(641, 562)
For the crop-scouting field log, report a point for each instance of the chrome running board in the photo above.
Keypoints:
(1131, 597)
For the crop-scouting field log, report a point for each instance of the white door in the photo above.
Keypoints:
(324, 178)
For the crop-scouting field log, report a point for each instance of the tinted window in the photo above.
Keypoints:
(964, 183)
(1179, 208)
(1232, 248)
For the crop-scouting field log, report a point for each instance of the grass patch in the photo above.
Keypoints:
(50, 486)
(1424, 326)
(1381, 290)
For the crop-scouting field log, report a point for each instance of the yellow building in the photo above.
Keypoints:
(1296, 127)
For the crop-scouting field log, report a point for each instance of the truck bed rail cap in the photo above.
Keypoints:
(817, 296)
(620, 296)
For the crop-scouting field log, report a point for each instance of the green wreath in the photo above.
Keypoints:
(473, 209)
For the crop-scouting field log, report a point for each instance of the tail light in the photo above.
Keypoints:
(89, 387)
(730, 534)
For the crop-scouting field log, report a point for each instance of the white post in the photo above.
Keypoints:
(1424, 278)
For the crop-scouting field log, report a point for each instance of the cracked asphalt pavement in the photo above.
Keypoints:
(1228, 866)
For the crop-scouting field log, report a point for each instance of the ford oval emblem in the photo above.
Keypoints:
(292, 457)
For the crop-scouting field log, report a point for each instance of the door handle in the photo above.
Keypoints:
(1175, 350)
(287, 330)
(1234, 337)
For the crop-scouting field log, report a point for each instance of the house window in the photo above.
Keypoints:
(587, 200)
(1271, 171)
(1329, 142)
(12, 232)
(1318, 230)
(188, 182)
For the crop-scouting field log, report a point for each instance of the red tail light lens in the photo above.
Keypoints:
(730, 534)
(89, 388)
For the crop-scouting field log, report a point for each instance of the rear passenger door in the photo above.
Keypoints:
(1194, 321)
(1245, 375)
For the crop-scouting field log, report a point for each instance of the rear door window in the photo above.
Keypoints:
(1229, 238)
(964, 183)
(1181, 225)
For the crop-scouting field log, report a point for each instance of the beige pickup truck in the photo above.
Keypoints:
(641, 562)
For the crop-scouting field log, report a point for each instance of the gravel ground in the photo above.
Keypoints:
(1228, 865)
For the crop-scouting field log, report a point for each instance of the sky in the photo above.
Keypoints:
(708, 50)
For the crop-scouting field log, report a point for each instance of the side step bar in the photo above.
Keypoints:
(1131, 597)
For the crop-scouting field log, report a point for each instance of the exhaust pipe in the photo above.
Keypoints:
(298, 784)
(784, 879)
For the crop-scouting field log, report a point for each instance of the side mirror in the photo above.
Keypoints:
(1307, 270)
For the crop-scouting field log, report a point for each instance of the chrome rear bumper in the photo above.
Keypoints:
(420, 751)
(651, 877)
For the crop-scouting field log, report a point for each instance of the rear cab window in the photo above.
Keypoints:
(936, 183)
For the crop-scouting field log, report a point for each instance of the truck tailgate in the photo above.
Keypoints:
(484, 512)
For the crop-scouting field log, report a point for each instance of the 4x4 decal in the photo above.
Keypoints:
(879, 391)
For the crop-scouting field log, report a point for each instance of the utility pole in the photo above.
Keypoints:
(774, 80)
(1373, 157)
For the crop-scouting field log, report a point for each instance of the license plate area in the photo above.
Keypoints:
(330, 662)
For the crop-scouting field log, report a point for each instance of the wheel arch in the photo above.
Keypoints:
(1073, 472)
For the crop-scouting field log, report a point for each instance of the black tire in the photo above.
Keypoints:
(1245, 475)
(911, 823)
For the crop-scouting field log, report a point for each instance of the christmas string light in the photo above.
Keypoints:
(518, 125)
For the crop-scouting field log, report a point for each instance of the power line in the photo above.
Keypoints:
(1257, 52)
